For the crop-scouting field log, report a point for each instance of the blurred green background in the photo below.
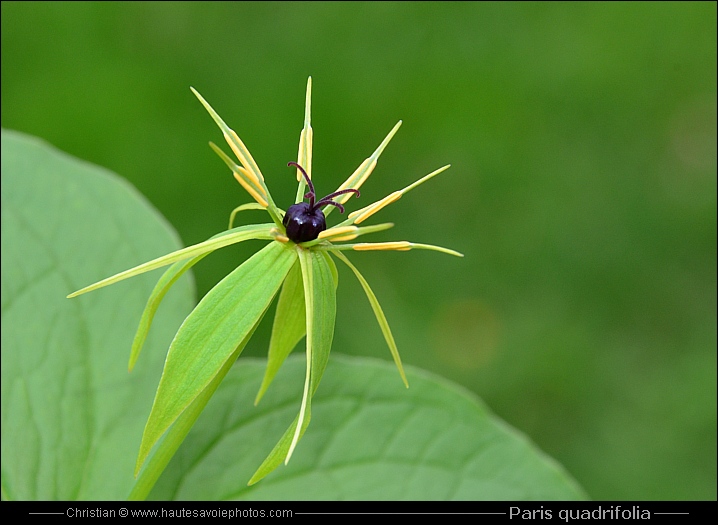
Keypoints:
(582, 139)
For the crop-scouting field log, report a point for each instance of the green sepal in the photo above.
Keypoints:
(210, 334)
(320, 304)
(279, 452)
(242, 233)
(174, 437)
(379, 313)
(289, 326)
(171, 276)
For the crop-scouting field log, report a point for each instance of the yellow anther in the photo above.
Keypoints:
(401, 246)
(305, 152)
(278, 236)
(240, 150)
(345, 238)
(257, 197)
(337, 231)
(252, 178)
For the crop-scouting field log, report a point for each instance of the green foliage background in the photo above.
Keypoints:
(582, 140)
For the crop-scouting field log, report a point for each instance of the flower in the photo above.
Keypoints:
(297, 260)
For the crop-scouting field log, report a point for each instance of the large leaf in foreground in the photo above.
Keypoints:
(72, 416)
(370, 438)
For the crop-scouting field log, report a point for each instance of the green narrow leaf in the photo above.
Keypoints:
(289, 326)
(320, 303)
(333, 268)
(211, 333)
(174, 437)
(279, 452)
(243, 233)
(379, 313)
(171, 275)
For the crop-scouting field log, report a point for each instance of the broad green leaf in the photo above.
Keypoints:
(380, 317)
(72, 416)
(370, 439)
(243, 233)
(320, 303)
(289, 326)
(211, 333)
(174, 437)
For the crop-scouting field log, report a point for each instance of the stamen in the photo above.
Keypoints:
(254, 193)
(341, 231)
(401, 246)
(360, 216)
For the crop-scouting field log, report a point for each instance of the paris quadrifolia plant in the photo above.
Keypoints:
(297, 259)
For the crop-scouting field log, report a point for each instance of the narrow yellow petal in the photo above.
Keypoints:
(300, 155)
(401, 246)
(306, 142)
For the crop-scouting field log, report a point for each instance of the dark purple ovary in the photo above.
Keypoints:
(304, 223)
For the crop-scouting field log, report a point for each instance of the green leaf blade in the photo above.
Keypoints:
(174, 437)
(289, 326)
(243, 233)
(168, 279)
(211, 333)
